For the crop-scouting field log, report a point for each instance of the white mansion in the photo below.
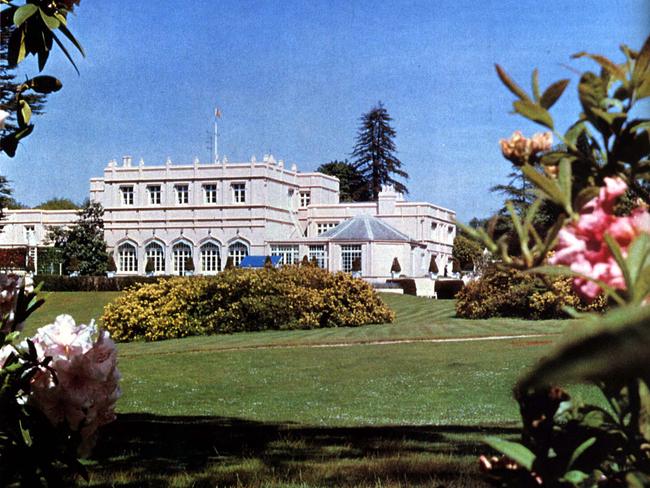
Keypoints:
(208, 212)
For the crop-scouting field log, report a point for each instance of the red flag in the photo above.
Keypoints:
(217, 112)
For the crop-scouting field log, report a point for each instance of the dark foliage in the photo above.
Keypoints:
(90, 283)
(352, 186)
(374, 152)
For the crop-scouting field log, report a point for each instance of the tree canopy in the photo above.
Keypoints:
(82, 246)
(374, 152)
(352, 186)
(58, 204)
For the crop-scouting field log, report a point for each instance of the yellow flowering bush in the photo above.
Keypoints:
(291, 297)
(511, 293)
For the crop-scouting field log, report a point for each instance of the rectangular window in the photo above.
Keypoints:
(305, 199)
(349, 254)
(155, 194)
(210, 193)
(319, 254)
(239, 192)
(289, 254)
(127, 195)
(325, 226)
(182, 194)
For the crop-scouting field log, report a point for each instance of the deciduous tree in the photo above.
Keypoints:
(84, 241)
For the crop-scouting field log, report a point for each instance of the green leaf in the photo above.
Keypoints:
(636, 479)
(594, 419)
(27, 438)
(511, 85)
(553, 93)
(23, 13)
(611, 67)
(618, 349)
(575, 477)
(580, 450)
(44, 84)
(25, 113)
(515, 451)
(641, 73)
(564, 181)
(66, 32)
(65, 51)
(585, 195)
(591, 91)
(545, 184)
(620, 260)
(535, 84)
(534, 112)
(51, 22)
(637, 256)
(572, 134)
(642, 286)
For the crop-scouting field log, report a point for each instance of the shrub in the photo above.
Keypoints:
(433, 266)
(511, 293)
(89, 283)
(13, 258)
(149, 267)
(395, 267)
(110, 266)
(189, 265)
(291, 297)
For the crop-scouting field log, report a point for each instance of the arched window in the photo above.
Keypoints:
(180, 253)
(127, 258)
(210, 258)
(237, 251)
(156, 256)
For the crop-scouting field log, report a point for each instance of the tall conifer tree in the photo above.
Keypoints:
(374, 153)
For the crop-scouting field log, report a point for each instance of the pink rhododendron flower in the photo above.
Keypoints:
(85, 362)
(582, 246)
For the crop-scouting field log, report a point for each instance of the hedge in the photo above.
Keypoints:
(406, 284)
(90, 283)
(448, 289)
(235, 300)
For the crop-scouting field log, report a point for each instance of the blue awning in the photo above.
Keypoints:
(258, 261)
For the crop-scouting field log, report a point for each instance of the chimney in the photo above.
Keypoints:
(386, 200)
(126, 161)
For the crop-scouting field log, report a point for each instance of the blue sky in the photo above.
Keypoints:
(293, 78)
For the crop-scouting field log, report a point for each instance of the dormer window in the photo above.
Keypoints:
(127, 195)
(182, 194)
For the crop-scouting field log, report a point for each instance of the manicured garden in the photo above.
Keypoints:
(269, 409)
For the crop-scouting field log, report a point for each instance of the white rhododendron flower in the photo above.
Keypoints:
(84, 359)
(9, 289)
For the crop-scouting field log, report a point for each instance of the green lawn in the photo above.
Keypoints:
(266, 409)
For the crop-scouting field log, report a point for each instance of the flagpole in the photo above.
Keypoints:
(216, 141)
